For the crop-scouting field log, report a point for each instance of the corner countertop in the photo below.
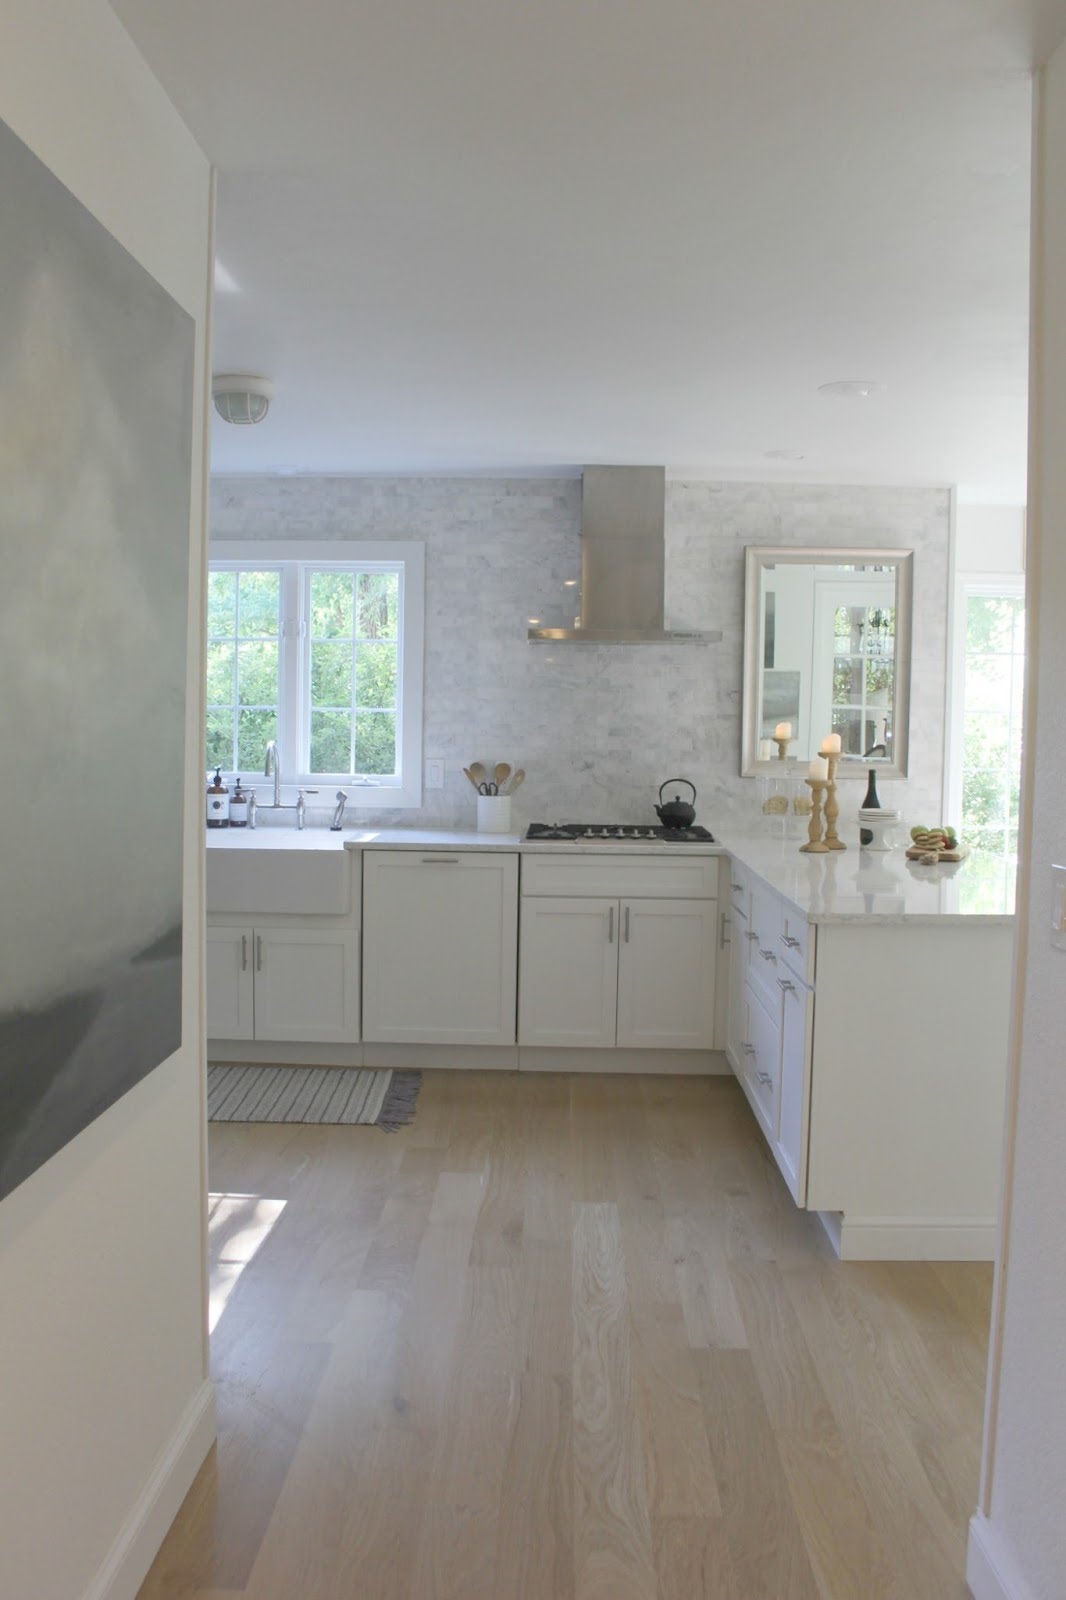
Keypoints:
(852, 886)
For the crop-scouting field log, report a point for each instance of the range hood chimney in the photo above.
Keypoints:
(622, 562)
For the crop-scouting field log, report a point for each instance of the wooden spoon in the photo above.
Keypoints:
(501, 774)
(518, 780)
(470, 775)
(476, 773)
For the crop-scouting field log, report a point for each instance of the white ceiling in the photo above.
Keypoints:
(519, 235)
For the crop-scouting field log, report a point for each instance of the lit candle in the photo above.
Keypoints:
(819, 768)
(783, 730)
(831, 744)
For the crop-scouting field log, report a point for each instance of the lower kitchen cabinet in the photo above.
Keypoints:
(439, 935)
(282, 984)
(790, 1136)
(666, 967)
(568, 988)
(597, 972)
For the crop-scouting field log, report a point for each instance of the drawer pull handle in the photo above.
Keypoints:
(750, 934)
(723, 924)
(748, 1049)
(763, 1077)
(258, 952)
(768, 955)
(789, 943)
(627, 925)
(440, 861)
(244, 952)
(737, 888)
(610, 925)
(783, 983)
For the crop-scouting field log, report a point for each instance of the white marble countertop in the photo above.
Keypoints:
(862, 886)
(859, 886)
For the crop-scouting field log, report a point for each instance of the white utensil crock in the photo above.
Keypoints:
(494, 813)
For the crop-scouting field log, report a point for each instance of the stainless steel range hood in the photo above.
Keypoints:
(622, 562)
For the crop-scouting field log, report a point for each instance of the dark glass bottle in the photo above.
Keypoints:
(871, 803)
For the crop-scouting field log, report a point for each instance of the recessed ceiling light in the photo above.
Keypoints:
(785, 455)
(851, 388)
(569, 583)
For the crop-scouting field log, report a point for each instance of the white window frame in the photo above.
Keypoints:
(967, 585)
(293, 558)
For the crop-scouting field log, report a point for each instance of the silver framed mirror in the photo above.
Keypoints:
(827, 649)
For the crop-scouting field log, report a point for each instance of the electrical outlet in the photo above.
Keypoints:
(435, 774)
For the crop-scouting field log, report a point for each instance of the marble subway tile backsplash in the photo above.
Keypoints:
(598, 727)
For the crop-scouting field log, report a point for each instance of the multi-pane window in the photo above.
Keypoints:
(323, 656)
(864, 656)
(993, 689)
(243, 631)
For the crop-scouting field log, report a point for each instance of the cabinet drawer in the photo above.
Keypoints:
(797, 943)
(766, 952)
(762, 1058)
(660, 877)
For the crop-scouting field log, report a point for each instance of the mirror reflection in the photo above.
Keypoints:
(826, 649)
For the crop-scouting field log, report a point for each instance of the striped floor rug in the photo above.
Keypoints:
(241, 1093)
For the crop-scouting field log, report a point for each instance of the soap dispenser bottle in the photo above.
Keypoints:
(218, 802)
(238, 806)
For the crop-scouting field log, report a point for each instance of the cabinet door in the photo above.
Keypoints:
(440, 947)
(307, 985)
(762, 1057)
(796, 1030)
(568, 974)
(667, 955)
(229, 982)
(737, 1024)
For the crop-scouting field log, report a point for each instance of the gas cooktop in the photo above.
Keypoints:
(613, 833)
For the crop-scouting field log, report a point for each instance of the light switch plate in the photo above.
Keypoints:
(434, 774)
(1058, 907)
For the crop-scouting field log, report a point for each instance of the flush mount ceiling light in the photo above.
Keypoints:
(851, 388)
(240, 397)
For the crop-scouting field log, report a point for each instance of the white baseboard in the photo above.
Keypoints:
(481, 1057)
(917, 1238)
(158, 1503)
(990, 1568)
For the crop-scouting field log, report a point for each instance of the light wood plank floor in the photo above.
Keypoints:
(568, 1339)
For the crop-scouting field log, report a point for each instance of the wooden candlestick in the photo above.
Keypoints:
(782, 748)
(832, 808)
(814, 828)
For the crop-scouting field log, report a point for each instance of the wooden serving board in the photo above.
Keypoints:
(960, 852)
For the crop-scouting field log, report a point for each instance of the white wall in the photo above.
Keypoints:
(598, 727)
(1018, 1543)
(990, 539)
(102, 1341)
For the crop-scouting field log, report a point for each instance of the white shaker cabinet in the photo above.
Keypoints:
(790, 1137)
(439, 936)
(230, 982)
(277, 983)
(666, 967)
(569, 962)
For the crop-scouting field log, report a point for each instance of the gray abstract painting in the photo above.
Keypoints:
(96, 374)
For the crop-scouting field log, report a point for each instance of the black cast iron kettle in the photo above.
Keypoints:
(677, 813)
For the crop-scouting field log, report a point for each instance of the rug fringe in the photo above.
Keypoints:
(398, 1107)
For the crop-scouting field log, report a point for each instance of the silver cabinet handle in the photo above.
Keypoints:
(723, 923)
(259, 952)
(749, 933)
(737, 888)
(244, 952)
(783, 983)
(763, 1077)
(610, 925)
(440, 861)
(627, 925)
(748, 1049)
(768, 955)
(789, 943)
